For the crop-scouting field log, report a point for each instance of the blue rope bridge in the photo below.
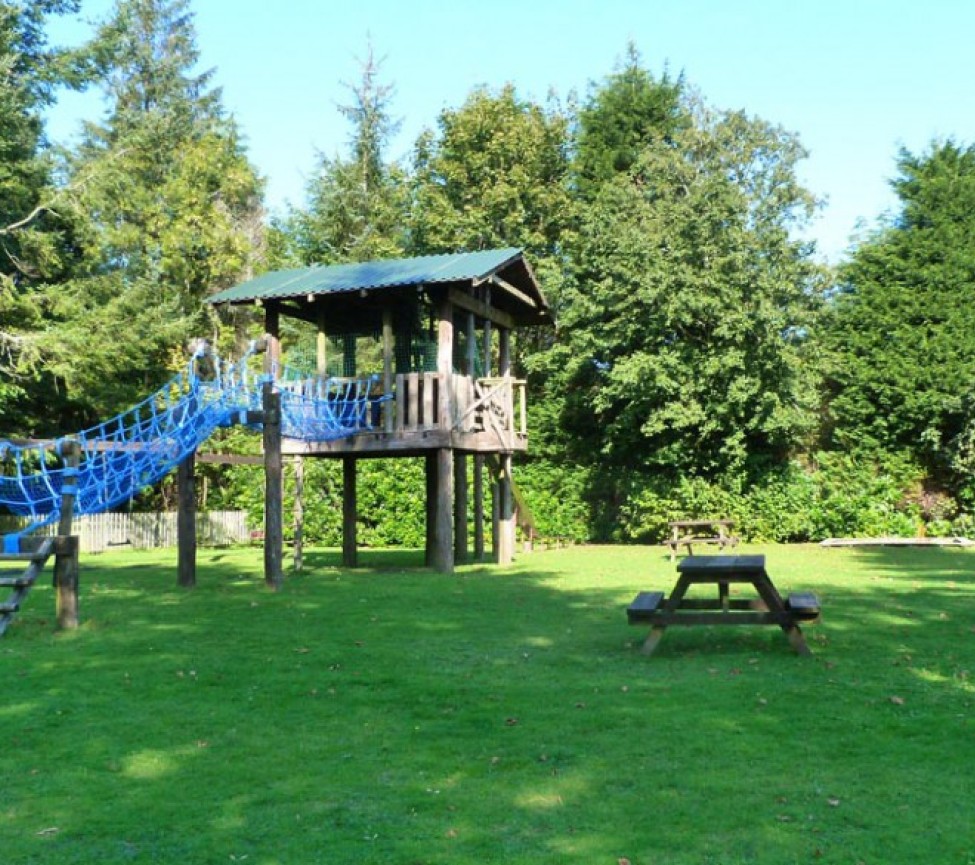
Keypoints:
(139, 447)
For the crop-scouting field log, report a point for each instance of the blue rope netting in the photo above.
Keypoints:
(139, 447)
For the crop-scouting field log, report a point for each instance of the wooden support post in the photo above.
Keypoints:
(272, 334)
(471, 345)
(321, 347)
(350, 509)
(478, 508)
(506, 502)
(430, 476)
(273, 489)
(460, 507)
(445, 359)
(495, 520)
(442, 554)
(186, 522)
(299, 513)
(66, 565)
(387, 368)
(506, 517)
(487, 334)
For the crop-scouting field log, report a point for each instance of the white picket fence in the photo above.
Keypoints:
(100, 532)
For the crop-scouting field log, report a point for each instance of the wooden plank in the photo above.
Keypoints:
(484, 310)
(431, 402)
(231, 459)
(413, 419)
(443, 547)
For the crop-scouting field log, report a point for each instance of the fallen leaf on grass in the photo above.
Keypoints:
(833, 802)
(511, 722)
(51, 830)
(897, 701)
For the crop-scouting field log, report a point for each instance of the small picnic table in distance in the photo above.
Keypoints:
(688, 532)
(769, 608)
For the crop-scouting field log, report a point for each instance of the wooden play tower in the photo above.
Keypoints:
(435, 332)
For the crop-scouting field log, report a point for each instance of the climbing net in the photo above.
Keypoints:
(138, 448)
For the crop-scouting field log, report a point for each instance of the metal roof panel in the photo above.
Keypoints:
(368, 275)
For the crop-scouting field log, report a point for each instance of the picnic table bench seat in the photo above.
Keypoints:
(686, 533)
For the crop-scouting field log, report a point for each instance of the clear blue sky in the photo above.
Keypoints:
(855, 79)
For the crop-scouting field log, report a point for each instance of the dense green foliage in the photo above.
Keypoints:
(902, 337)
(703, 361)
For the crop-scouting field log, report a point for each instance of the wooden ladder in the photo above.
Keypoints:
(19, 572)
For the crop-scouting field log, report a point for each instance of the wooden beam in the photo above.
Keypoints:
(516, 292)
(186, 522)
(479, 307)
(300, 312)
(231, 459)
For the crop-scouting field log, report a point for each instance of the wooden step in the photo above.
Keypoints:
(17, 582)
(23, 557)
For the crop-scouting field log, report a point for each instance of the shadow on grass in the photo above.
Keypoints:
(393, 714)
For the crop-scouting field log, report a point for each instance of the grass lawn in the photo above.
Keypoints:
(394, 715)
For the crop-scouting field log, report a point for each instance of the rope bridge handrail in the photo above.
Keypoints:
(139, 447)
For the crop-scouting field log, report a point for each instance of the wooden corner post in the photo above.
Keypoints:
(506, 522)
(273, 462)
(186, 522)
(66, 566)
(350, 513)
(441, 486)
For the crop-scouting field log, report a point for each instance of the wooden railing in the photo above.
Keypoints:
(492, 405)
(495, 405)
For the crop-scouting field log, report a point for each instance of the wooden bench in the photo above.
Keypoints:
(643, 607)
(804, 606)
(686, 533)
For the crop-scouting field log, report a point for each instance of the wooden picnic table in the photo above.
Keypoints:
(767, 608)
(689, 532)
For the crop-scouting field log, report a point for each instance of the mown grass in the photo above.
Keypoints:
(394, 715)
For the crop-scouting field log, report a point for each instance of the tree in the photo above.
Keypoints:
(357, 205)
(156, 232)
(684, 331)
(901, 335)
(31, 242)
(627, 112)
(493, 175)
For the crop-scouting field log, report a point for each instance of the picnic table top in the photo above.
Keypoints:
(722, 564)
(687, 523)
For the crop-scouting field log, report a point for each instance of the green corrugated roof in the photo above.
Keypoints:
(387, 273)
